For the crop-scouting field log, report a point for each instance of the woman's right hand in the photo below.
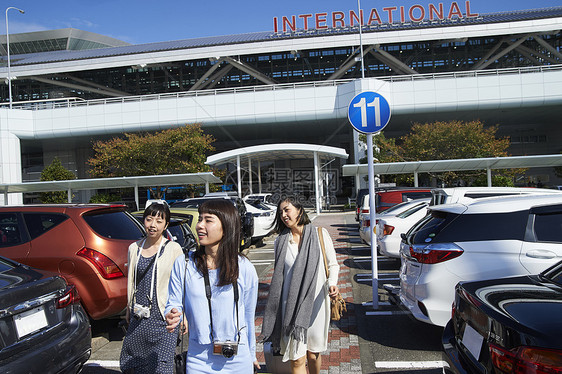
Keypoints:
(172, 319)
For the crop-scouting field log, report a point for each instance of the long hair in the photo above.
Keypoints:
(229, 246)
(278, 224)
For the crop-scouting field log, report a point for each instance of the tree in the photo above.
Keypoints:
(174, 151)
(55, 172)
(448, 140)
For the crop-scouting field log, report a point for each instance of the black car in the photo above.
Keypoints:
(508, 325)
(178, 230)
(43, 328)
(246, 218)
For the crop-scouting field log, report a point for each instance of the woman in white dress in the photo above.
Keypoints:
(297, 314)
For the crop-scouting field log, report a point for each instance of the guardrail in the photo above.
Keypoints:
(78, 102)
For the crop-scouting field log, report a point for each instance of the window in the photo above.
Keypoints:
(114, 225)
(446, 227)
(39, 223)
(548, 227)
(9, 231)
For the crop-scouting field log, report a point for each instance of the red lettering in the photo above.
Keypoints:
(305, 18)
(275, 25)
(454, 11)
(390, 10)
(287, 22)
(402, 16)
(411, 13)
(354, 18)
(338, 17)
(321, 20)
(468, 14)
(438, 12)
(374, 17)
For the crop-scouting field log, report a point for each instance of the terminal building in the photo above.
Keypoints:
(292, 84)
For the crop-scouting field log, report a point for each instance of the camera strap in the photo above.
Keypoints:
(136, 280)
(208, 293)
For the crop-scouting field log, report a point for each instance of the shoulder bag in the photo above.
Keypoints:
(337, 304)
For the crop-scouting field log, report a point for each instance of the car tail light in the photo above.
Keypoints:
(107, 268)
(526, 360)
(70, 297)
(387, 230)
(435, 253)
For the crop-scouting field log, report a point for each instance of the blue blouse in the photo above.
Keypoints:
(200, 356)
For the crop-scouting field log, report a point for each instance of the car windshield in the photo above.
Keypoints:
(448, 227)
(5, 266)
(258, 204)
(394, 208)
(555, 274)
(412, 210)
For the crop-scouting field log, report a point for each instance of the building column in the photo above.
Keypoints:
(10, 164)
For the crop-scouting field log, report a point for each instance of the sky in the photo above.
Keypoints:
(147, 21)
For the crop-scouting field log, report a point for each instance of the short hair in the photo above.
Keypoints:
(278, 224)
(157, 210)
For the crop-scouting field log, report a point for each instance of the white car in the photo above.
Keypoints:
(390, 227)
(265, 198)
(365, 218)
(263, 215)
(483, 239)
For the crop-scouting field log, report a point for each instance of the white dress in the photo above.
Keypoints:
(317, 334)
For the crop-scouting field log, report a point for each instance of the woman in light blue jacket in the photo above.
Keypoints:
(221, 315)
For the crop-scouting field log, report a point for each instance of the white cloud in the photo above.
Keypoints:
(16, 27)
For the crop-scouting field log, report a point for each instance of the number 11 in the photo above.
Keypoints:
(363, 106)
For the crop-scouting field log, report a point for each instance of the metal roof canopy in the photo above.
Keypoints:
(273, 152)
(116, 182)
(487, 163)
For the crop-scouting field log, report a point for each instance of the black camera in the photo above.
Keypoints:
(226, 349)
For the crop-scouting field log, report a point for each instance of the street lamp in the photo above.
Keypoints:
(8, 50)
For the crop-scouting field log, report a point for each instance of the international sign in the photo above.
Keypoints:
(369, 112)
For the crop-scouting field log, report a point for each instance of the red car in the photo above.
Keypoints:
(85, 243)
(386, 198)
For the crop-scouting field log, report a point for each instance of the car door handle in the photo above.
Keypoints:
(541, 253)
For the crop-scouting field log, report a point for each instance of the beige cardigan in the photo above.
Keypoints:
(165, 263)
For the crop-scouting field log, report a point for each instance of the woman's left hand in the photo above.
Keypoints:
(333, 291)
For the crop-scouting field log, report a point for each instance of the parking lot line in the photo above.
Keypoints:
(386, 313)
(409, 364)
(103, 363)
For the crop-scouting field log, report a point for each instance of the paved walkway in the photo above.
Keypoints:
(342, 356)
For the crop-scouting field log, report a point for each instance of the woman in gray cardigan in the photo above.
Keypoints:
(148, 347)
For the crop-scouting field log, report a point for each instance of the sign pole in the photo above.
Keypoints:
(373, 219)
(369, 113)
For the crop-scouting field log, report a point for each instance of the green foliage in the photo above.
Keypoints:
(104, 198)
(497, 181)
(443, 141)
(55, 172)
(173, 151)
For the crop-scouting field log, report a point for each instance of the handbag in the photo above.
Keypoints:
(180, 359)
(274, 361)
(337, 304)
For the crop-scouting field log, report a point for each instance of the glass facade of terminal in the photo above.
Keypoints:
(296, 66)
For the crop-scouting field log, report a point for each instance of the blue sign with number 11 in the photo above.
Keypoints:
(369, 112)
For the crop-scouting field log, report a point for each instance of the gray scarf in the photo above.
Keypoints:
(298, 310)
